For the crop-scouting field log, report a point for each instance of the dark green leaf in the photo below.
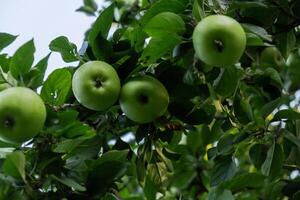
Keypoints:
(223, 170)
(70, 183)
(261, 32)
(274, 161)
(287, 114)
(6, 39)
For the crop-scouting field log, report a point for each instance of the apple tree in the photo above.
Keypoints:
(171, 99)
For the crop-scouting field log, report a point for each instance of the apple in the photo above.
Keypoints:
(219, 40)
(271, 57)
(143, 99)
(293, 67)
(22, 114)
(96, 85)
(4, 86)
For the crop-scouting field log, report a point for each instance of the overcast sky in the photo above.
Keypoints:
(44, 20)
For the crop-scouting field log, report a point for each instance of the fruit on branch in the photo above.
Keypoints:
(96, 85)
(271, 57)
(143, 99)
(22, 114)
(219, 40)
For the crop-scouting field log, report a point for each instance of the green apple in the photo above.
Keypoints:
(293, 67)
(22, 114)
(143, 99)
(96, 85)
(4, 86)
(271, 57)
(219, 40)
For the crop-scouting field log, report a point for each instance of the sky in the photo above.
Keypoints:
(44, 20)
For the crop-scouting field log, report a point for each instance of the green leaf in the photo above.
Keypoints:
(159, 46)
(67, 49)
(37, 73)
(287, 114)
(97, 37)
(56, 88)
(274, 161)
(150, 188)
(14, 165)
(223, 171)
(6, 39)
(226, 83)
(246, 4)
(76, 129)
(102, 24)
(22, 60)
(69, 182)
(261, 32)
(165, 23)
(198, 12)
(246, 180)
(258, 154)
(291, 137)
(269, 107)
(5, 62)
(175, 6)
(254, 40)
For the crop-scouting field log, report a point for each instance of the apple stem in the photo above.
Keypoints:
(219, 45)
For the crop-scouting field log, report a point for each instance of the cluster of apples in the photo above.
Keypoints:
(96, 85)
(218, 40)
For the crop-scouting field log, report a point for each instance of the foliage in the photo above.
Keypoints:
(229, 133)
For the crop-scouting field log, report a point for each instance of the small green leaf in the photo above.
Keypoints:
(67, 49)
(56, 88)
(254, 40)
(165, 23)
(6, 39)
(14, 165)
(22, 60)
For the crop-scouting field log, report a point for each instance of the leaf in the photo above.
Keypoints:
(22, 60)
(165, 23)
(4, 62)
(269, 107)
(223, 171)
(274, 161)
(261, 32)
(67, 49)
(76, 129)
(287, 114)
(258, 154)
(6, 39)
(97, 37)
(175, 6)
(102, 24)
(159, 46)
(198, 12)
(37, 73)
(291, 137)
(226, 83)
(254, 40)
(245, 180)
(69, 182)
(150, 188)
(56, 88)
(14, 165)
(245, 4)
